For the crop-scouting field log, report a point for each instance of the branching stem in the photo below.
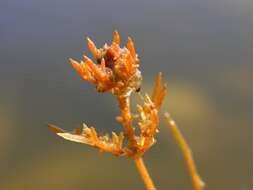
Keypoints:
(126, 120)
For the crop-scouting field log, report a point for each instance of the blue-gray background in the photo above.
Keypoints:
(203, 48)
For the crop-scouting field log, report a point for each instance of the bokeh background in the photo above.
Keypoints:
(203, 48)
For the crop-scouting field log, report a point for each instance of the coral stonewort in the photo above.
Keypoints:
(116, 70)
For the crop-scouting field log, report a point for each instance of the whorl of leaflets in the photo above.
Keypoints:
(116, 70)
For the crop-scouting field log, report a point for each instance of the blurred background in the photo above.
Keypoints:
(203, 48)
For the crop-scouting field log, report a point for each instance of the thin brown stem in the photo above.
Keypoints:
(196, 180)
(144, 173)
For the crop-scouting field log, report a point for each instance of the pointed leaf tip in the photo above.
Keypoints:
(92, 47)
(55, 129)
(116, 37)
(130, 46)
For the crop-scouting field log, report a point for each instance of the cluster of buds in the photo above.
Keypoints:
(116, 70)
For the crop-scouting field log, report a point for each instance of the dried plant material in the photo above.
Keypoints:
(88, 135)
(116, 70)
(196, 180)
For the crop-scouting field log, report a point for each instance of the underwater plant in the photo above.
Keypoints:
(116, 70)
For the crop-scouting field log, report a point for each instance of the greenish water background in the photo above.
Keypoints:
(203, 48)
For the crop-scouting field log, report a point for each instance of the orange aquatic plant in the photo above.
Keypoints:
(116, 70)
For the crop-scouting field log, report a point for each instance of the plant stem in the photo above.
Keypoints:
(144, 173)
(124, 105)
(196, 180)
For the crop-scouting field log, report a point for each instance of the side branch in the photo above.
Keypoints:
(126, 120)
(144, 173)
(196, 180)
